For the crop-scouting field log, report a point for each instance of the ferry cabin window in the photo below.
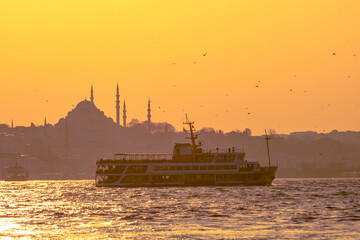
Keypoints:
(163, 168)
(136, 169)
(226, 167)
(211, 167)
(233, 167)
(225, 158)
(167, 178)
(155, 168)
(195, 167)
(171, 168)
(187, 167)
(135, 179)
(179, 168)
(218, 167)
(119, 169)
(203, 167)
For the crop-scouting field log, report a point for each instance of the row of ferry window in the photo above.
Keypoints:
(209, 178)
(202, 167)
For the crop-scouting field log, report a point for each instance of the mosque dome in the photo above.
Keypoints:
(86, 115)
(85, 105)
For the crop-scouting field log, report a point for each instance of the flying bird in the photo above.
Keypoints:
(333, 54)
(249, 113)
(257, 86)
(204, 54)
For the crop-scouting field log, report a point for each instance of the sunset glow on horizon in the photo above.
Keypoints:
(285, 65)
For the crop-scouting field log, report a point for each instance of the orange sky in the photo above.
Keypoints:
(52, 51)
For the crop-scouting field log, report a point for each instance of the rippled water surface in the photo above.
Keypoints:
(290, 209)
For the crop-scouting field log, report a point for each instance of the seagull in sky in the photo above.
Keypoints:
(204, 54)
(333, 54)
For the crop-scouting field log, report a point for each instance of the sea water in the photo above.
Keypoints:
(290, 209)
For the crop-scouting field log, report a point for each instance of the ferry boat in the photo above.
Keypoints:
(189, 165)
(15, 173)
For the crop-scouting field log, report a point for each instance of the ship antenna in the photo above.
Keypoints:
(193, 136)
(267, 138)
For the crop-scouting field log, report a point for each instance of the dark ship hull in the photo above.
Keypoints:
(260, 177)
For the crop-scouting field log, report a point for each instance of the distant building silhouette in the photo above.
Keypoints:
(149, 115)
(92, 95)
(124, 115)
(12, 123)
(117, 105)
(66, 140)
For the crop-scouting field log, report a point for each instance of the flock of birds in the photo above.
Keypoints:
(258, 83)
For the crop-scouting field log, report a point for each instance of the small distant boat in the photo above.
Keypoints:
(15, 173)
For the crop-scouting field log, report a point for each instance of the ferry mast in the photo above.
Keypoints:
(267, 138)
(193, 136)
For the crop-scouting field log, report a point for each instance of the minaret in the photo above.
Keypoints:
(117, 105)
(12, 123)
(149, 115)
(124, 115)
(92, 95)
(45, 130)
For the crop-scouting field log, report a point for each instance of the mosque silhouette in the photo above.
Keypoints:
(86, 112)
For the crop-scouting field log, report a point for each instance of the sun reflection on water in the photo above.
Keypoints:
(76, 209)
